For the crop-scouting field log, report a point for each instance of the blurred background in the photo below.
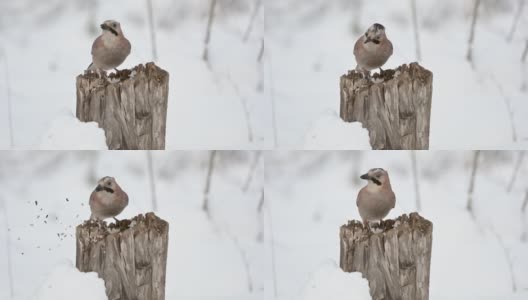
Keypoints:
(477, 104)
(215, 103)
(478, 253)
(217, 252)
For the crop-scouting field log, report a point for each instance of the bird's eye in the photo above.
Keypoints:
(109, 183)
(114, 25)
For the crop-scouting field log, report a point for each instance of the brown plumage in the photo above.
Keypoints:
(108, 199)
(111, 48)
(373, 49)
(376, 199)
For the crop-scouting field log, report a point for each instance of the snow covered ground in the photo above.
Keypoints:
(44, 45)
(310, 194)
(44, 195)
(310, 44)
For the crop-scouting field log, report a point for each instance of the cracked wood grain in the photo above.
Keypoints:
(130, 105)
(395, 106)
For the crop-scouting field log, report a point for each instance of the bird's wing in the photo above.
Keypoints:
(92, 199)
(126, 197)
(127, 46)
(390, 47)
(97, 44)
(361, 195)
(357, 45)
(393, 199)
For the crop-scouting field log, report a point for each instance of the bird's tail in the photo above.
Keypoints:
(91, 67)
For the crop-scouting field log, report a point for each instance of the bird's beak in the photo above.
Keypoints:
(99, 188)
(364, 176)
(104, 26)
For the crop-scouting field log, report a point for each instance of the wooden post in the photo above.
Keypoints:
(131, 106)
(395, 106)
(130, 256)
(395, 261)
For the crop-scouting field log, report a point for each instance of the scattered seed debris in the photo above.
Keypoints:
(36, 203)
(67, 200)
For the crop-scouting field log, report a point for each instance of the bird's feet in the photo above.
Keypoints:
(366, 226)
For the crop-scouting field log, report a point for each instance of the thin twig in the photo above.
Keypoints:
(416, 183)
(516, 20)
(261, 51)
(469, 205)
(272, 244)
(245, 262)
(260, 67)
(152, 31)
(507, 256)
(416, 31)
(3, 208)
(252, 20)
(9, 106)
(525, 52)
(260, 215)
(524, 235)
(509, 109)
(516, 169)
(523, 66)
(251, 172)
(152, 182)
(469, 55)
(272, 98)
(205, 55)
(207, 188)
(243, 102)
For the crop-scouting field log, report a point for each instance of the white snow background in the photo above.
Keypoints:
(310, 45)
(310, 194)
(45, 44)
(44, 196)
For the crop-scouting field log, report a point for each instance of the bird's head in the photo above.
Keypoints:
(107, 184)
(376, 176)
(375, 33)
(112, 26)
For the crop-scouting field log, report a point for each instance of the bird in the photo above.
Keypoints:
(376, 199)
(107, 199)
(110, 49)
(373, 49)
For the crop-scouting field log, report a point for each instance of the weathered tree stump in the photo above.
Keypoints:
(130, 256)
(131, 106)
(395, 106)
(396, 261)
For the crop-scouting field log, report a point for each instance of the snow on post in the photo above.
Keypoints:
(395, 261)
(131, 106)
(395, 106)
(130, 256)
